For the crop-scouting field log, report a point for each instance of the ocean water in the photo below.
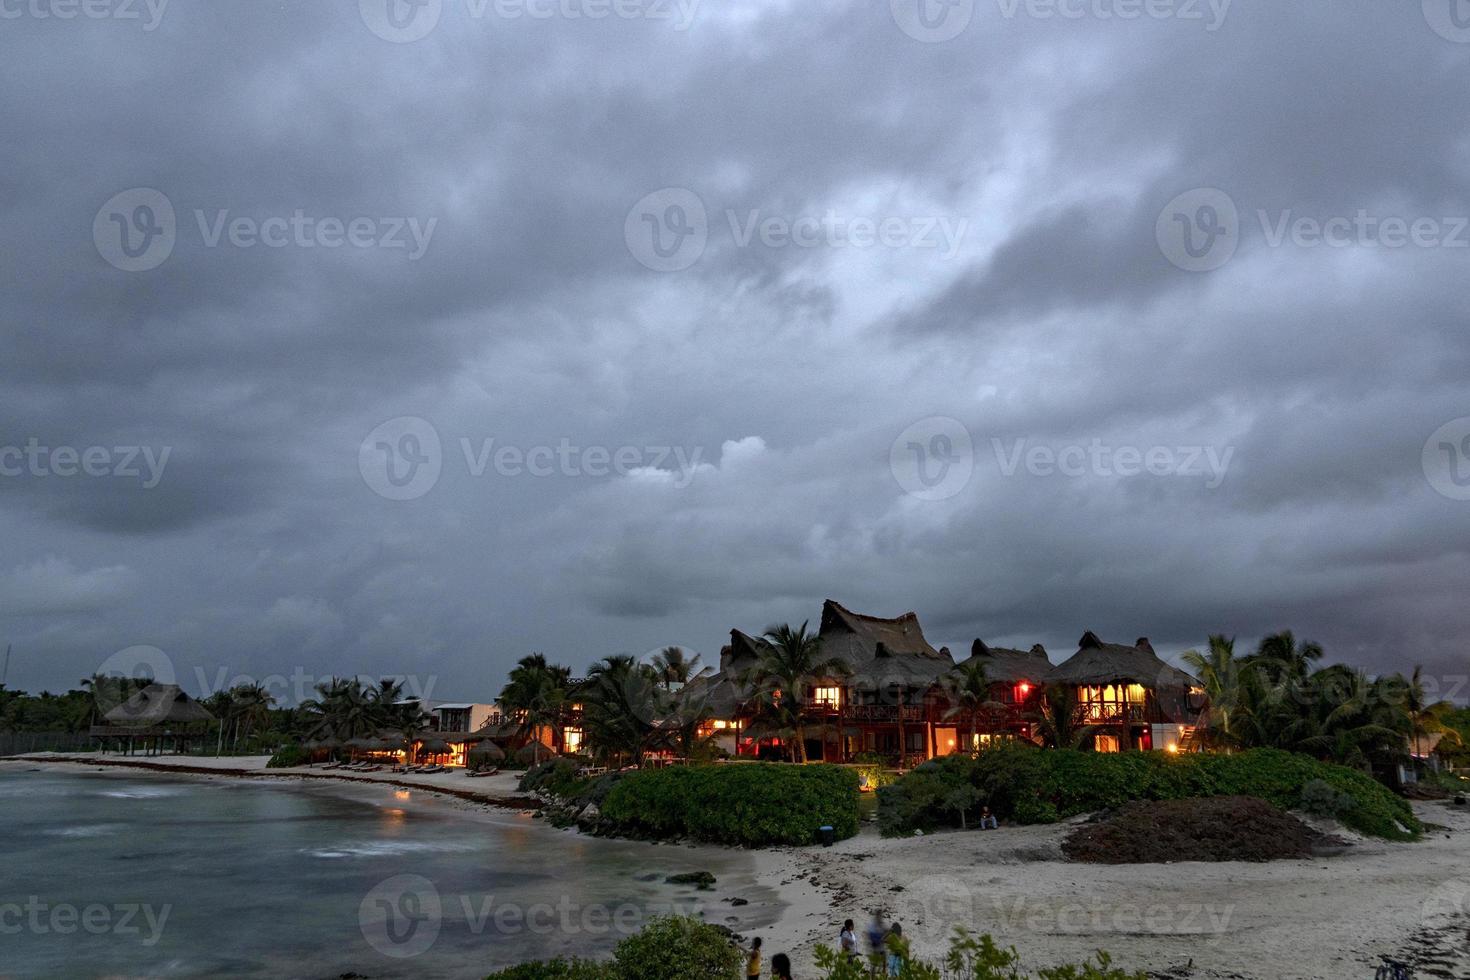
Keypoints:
(113, 875)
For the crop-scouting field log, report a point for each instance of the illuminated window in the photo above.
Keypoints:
(1105, 743)
(572, 739)
(828, 695)
(1136, 694)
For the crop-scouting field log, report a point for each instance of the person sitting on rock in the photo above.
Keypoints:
(987, 819)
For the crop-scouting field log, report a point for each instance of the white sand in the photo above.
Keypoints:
(1324, 919)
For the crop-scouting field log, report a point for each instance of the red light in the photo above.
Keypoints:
(1024, 688)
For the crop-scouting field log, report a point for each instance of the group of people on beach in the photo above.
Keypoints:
(885, 948)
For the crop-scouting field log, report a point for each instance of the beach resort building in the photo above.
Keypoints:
(901, 699)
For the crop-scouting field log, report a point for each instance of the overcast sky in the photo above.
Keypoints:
(373, 338)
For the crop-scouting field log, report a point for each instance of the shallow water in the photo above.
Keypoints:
(108, 874)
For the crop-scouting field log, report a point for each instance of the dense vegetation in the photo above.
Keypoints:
(670, 948)
(745, 804)
(1274, 698)
(1028, 785)
(687, 949)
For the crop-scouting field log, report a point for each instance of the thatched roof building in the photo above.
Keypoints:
(1096, 663)
(881, 652)
(158, 704)
(1012, 666)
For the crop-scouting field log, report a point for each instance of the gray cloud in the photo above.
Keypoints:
(1058, 321)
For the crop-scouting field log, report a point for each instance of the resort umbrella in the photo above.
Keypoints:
(488, 750)
(434, 746)
(535, 752)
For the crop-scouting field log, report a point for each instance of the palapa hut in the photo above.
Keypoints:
(1017, 683)
(1131, 698)
(158, 718)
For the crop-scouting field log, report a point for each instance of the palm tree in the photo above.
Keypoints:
(535, 696)
(1284, 660)
(622, 707)
(970, 693)
(1426, 718)
(1059, 722)
(674, 666)
(251, 705)
(1219, 674)
(792, 660)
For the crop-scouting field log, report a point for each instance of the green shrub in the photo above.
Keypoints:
(677, 948)
(557, 969)
(745, 804)
(970, 957)
(287, 756)
(668, 948)
(558, 777)
(1029, 785)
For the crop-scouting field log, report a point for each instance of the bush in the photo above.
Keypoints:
(556, 777)
(1029, 785)
(745, 804)
(670, 948)
(677, 948)
(557, 969)
(1320, 798)
(969, 958)
(287, 756)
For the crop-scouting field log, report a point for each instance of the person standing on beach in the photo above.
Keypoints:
(894, 942)
(780, 967)
(877, 932)
(847, 940)
(753, 961)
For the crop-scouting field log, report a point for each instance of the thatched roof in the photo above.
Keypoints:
(158, 704)
(535, 751)
(881, 652)
(487, 750)
(1096, 662)
(1012, 666)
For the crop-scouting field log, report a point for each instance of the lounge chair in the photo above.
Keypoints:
(482, 773)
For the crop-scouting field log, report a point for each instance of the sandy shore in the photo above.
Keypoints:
(1323, 919)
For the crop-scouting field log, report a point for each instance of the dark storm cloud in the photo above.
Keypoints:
(519, 317)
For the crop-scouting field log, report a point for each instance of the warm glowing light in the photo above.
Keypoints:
(1024, 688)
(1172, 747)
(402, 794)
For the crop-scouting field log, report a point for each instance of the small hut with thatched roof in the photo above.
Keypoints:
(159, 718)
(1126, 692)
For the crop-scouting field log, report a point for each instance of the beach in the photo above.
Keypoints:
(1322, 918)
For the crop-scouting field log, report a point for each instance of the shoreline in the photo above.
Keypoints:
(1320, 918)
(516, 801)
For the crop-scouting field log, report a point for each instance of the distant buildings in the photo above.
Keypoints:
(905, 701)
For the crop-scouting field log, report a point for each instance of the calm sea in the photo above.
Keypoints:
(107, 874)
